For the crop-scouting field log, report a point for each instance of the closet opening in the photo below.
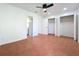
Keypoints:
(51, 26)
(67, 26)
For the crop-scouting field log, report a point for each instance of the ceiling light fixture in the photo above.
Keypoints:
(45, 10)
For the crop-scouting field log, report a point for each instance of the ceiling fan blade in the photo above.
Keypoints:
(50, 5)
(44, 5)
(38, 7)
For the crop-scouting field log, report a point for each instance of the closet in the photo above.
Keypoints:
(67, 26)
(51, 26)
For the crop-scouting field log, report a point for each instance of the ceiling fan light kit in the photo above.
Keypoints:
(45, 6)
(45, 10)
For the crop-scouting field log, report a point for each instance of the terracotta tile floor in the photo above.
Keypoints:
(42, 45)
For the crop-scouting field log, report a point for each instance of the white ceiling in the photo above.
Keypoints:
(54, 10)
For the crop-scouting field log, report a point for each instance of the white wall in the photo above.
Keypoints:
(44, 26)
(78, 25)
(13, 23)
(67, 26)
(57, 26)
(40, 24)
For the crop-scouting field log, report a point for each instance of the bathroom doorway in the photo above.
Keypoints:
(29, 25)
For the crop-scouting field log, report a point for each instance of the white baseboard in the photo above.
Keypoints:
(7, 42)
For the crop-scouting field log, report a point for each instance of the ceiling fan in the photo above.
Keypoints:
(45, 6)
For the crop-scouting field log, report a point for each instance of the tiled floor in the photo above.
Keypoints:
(42, 45)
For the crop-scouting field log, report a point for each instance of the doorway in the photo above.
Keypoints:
(29, 25)
(51, 26)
